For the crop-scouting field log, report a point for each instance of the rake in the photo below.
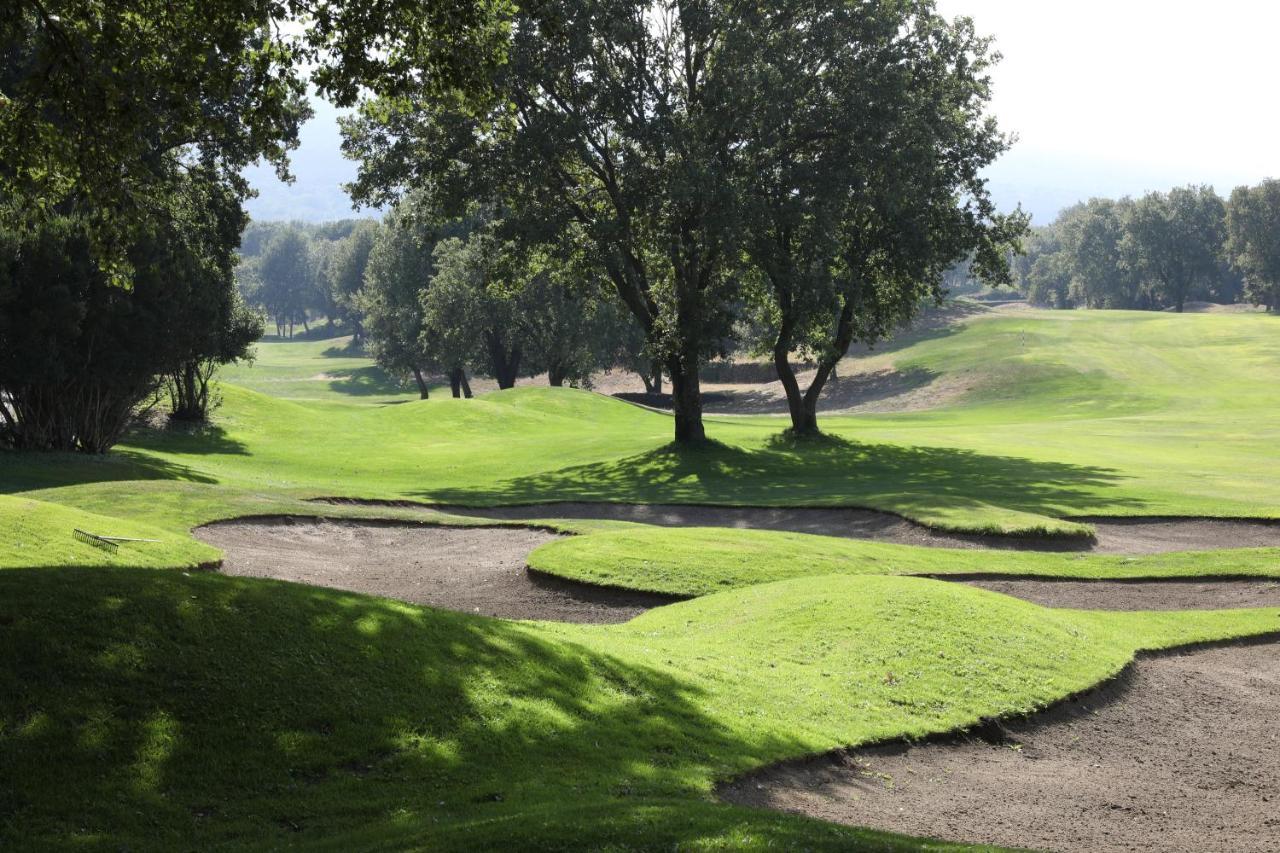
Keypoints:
(110, 544)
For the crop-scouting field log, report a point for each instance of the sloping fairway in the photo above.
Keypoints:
(158, 709)
(1075, 413)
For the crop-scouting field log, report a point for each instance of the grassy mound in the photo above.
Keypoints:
(157, 709)
(700, 561)
(35, 533)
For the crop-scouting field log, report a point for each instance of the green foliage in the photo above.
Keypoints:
(1174, 241)
(865, 135)
(1253, 227)
(80, 353)
(98, 102)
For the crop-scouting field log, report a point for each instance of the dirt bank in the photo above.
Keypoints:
(1182, 753)
(1138, 595)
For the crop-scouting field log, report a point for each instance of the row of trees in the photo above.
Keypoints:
(814, 162)
(1158, 252)
(455, 296)
(293, 272)
(124, 130)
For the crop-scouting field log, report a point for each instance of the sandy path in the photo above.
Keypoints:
(473, 570)
(1182, 753)
(1114, 535)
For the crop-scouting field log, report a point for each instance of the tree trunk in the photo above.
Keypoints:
(686, 402)
(555, 376)
(458, 383)
(803, 422)
(506, 363)
(424, 393)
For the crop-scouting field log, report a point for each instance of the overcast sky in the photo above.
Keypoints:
(1107, 97)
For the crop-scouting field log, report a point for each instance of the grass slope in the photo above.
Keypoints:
(1070, 413)
(161, 709)
(36, 533)
(700, 561)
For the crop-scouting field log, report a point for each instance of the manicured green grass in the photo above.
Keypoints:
(36, 533)
(146, 708)
(1073, 413)
(153, 710)
(700, 561)
(325, 369)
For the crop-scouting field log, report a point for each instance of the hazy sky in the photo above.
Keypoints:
(1107, 97)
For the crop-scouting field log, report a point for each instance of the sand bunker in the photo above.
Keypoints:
(1114, 535)
(473, 570)
(1181, 753)
(1138, 595)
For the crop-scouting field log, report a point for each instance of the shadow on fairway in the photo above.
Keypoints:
(366, 382)
(827, 471)
(20, 471)
(200, 708)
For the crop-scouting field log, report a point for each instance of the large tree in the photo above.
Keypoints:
(1092, 236)
(95, 96)
(1253, 240)
(1175, 240)
(611, 115)
(864, 133)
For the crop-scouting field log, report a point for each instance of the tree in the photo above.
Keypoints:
(1092, 235)
(1175, 240)
(399, 270)
(96, 100)
(610, 115)
(78, 353)
(344, 275)
(209, 325)
(286, 279)
(1253, 240)
(508, 313)
(863, 140)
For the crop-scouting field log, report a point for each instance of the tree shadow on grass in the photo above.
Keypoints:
(367, 382)
(138, 705)
(827, 471)
(21, 472)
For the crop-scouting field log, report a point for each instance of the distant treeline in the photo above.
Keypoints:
(1157, 252)
(447, 299)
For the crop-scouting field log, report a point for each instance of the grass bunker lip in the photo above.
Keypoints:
(1177, 753)
(1113, 534)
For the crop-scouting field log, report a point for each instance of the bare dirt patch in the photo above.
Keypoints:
(1180, 753)
(473, 570)
(1137, 595)
(1114, 535)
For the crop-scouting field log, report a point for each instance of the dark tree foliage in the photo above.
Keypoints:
(508, 313)
(96, 96)
(79, 353)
